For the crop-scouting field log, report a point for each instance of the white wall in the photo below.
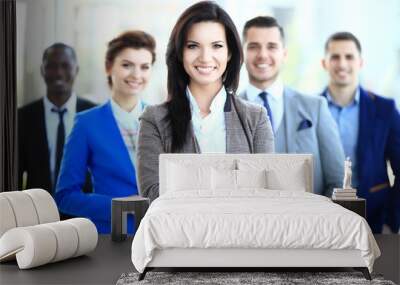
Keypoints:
(88, 25)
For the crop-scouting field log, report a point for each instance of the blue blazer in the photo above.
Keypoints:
(95, 144)
(310, 128)
(379, 141)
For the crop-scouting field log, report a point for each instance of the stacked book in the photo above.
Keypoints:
(344, 194)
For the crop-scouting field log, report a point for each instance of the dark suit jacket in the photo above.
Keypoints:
(379, 141)
(33, 150)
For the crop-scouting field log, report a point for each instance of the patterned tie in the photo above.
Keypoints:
(264, 97)
(60, 141)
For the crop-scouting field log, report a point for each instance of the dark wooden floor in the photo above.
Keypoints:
(106, 264)
(389, 262)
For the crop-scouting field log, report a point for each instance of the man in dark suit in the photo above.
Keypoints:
(369, 127)
(44, 124)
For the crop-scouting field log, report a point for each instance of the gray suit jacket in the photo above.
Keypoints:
(254, 136)
(310, 128)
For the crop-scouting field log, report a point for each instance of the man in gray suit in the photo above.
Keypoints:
(301, 124)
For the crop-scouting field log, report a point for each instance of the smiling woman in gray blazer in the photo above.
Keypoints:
(202, 113)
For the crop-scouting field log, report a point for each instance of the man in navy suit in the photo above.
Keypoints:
(44, 124)
(301, 124)
(369, 127)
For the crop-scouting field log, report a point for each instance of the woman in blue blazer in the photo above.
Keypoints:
(103, 139)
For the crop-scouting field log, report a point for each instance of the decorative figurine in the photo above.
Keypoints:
(347, 174)
(346, 192)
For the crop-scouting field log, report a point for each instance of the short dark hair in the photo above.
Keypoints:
(129, 39)
(178, 104)
(343, 36)
(59, 46)
(263, 22)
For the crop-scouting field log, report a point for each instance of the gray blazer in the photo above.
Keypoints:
(253, 135)
(310, 128)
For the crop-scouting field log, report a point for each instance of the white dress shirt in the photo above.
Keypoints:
(275, 100)
(210, 131)
(51, 121)
(128, 124)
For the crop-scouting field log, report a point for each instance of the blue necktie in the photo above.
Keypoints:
(264, 97)
(60, 141)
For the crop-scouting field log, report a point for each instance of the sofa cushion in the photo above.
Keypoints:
(26, 208)
(45, 243)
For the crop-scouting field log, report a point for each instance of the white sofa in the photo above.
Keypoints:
(247, 210)
(31, 231)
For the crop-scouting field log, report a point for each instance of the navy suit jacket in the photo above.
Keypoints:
(95, 144)
(378, 142)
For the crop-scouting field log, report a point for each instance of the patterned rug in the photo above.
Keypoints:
(243, 278)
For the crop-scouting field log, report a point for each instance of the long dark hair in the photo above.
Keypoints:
(178, 104)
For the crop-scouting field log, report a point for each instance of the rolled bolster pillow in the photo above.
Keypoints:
(26, 208)
(7, 218)
(87, 235)
(33, 246)
(22, 207)
(45, 205)
(67, 240)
